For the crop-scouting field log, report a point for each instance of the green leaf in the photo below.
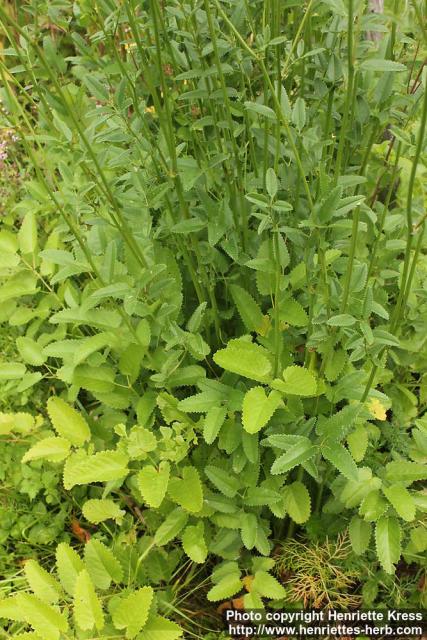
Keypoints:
(357, 442)
(81, 468)
(200, 402)
(296, 500)
(341, 320)
(193, 543)
(87, 607)
(373, 506)
(213, 422)
(67, 422)
(159, 628)
(260, 109)
(267, 586)
(223, 480)
(246, 359)
(46, 621)
(10, 609)
(271, 183)
(31, 352)
(97, 511)
(153, 483)
(171, 527)
(43, 585)
(293, 313)
(132, 611)
(27, 234)
(298, 453)
(258, 408)
(402, 501)
(407, 472)
(248, 309)
(297, 381)
(388, 538)
(378, 64)
(188, 490)
(12, 370)
(360, 535)
(340, 457)
(69, 565)
(52, 449)
(327, 207)
(298, 114)
(228, 586)
(101, 564)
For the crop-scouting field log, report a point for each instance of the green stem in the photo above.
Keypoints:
(349, 90)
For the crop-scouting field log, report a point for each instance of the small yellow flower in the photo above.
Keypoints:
(150, 109)
(377, 409)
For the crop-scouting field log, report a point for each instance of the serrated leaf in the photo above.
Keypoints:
(341, 320)
(246, 359)
(357, 442)
(379, 64)
(69, 565)
(68, 423)
(43, 585)
(258, 408)
(260, 109)
(193, 543)
(402, 501)
(132, 611)
(360, 535)
(52, 449)
(200, 402)
(81, 468)
(87, 607)
(249, 528)
(271, 182)
(27, 234)
(298, 114)
(267, 586)
(10, 609)
(43, 618)
(223, 480)
(171, 527)
(228, 586)
(293, 313)
(187, 491)
(296, 500)
(30, 351)
(101, 564)
(327, 207)
(407, 472)
(388, 539)
(373, 506)
(340, 457)
(213, 422)
(12, 370)
(249, 311)
(297, 453)
(97, 511)
(159, 628)
(153, 483)
(335, 364)
(297, 381)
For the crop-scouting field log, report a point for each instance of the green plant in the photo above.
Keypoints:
(73, 593)
(215, 273)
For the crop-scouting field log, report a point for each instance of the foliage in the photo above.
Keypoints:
(213, 292)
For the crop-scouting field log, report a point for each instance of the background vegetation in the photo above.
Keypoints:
(213, 307)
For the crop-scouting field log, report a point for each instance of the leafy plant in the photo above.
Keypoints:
(213, 281)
